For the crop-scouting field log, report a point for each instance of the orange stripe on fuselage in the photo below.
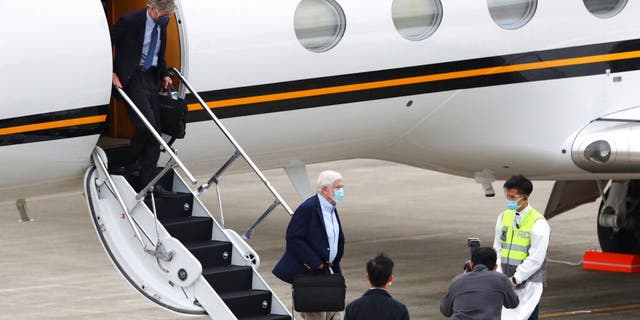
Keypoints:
(418, 79)
(53, 124)
(349, 88)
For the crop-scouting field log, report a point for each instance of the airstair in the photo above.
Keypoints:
(169, 247)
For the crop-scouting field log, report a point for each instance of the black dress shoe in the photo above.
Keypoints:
(161, 192)
(133, 169)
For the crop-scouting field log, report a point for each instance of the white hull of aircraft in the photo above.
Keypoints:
(473, 99)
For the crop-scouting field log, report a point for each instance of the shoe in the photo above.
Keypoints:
(161, 192)
(133, 169)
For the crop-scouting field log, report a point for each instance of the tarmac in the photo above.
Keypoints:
(55, 267)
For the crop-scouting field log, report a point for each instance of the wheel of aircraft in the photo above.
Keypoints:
(626, 239)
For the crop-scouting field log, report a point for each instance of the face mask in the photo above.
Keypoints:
(339, 194)
(162, 20)
(512, 204)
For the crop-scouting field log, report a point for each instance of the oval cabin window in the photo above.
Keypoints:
(416, 19)
(512, 14)
(605, 8)
(319, 24)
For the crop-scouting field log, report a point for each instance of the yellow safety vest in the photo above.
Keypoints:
(516, 241)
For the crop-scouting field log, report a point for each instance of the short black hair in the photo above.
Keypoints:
(379, 270)
(484, 256)
(519, 182)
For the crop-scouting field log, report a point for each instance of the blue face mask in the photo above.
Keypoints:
(339, 194)
(512, 204)
(162, 20)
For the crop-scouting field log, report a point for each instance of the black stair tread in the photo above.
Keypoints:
(188, 229)
(267, 317)
(225, 279)
(178, 220)
(205, 244)
(176, 193)
(222, 269)
(243, 293)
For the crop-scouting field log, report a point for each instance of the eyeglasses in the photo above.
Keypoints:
(513, 196)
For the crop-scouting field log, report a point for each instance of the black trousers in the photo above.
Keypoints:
(145, 149)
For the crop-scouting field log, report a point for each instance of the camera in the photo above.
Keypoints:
(472, 243)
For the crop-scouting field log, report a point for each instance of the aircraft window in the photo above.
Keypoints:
(605, 8)
(319, 24)
(416, 20)
(512, 14)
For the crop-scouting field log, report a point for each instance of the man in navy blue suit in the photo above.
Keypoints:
(377, 303)
(140, 39)
(314, 237)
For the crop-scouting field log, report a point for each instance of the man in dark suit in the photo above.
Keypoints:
(314, 237)
(140, 39)
(377, 303)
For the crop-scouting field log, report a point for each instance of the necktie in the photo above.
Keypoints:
(148, 59)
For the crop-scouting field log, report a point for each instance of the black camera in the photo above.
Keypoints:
(472, 243)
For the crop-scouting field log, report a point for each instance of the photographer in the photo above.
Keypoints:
(480, 293)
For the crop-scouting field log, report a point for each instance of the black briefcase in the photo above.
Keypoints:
(318, 292)
(173, 114)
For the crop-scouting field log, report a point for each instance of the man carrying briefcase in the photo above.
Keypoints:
(315, 240)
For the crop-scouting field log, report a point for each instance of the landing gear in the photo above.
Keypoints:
(619, 217)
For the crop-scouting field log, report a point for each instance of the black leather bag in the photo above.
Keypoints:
(173, 114)
(318, 292)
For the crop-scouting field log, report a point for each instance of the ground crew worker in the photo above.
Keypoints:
(521, 241)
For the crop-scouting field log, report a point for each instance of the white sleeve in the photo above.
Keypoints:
(497, 244)
(537, 251)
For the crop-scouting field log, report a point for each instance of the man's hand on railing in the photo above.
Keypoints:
(166, 81)
(116, 81)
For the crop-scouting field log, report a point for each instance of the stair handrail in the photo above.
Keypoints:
(250, 256)
(159, 251)
(104, 171)
(157, 136)
(235, 144)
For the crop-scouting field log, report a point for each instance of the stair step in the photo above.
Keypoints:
(229, 279)
(267, 317)
(250, 303)
(189, 229)
(211, 253)
(167, 180)
(177, 206)
(118, 156)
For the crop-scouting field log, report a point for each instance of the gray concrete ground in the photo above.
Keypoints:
(55, 268)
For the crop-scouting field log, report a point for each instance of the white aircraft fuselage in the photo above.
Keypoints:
(471, 98)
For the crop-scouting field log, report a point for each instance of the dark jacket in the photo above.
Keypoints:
(307, 242)
(128, 36)
(479, 294)
(376, 304)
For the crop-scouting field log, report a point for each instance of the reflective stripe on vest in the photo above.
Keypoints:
(516, 241)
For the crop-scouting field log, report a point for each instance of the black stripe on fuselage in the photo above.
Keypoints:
(569, 71)
(477, 81)
(53, 133)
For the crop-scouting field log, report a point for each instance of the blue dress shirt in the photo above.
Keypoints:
(331, 225)
(147, 40)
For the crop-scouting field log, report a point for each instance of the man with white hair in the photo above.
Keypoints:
(314, 237)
